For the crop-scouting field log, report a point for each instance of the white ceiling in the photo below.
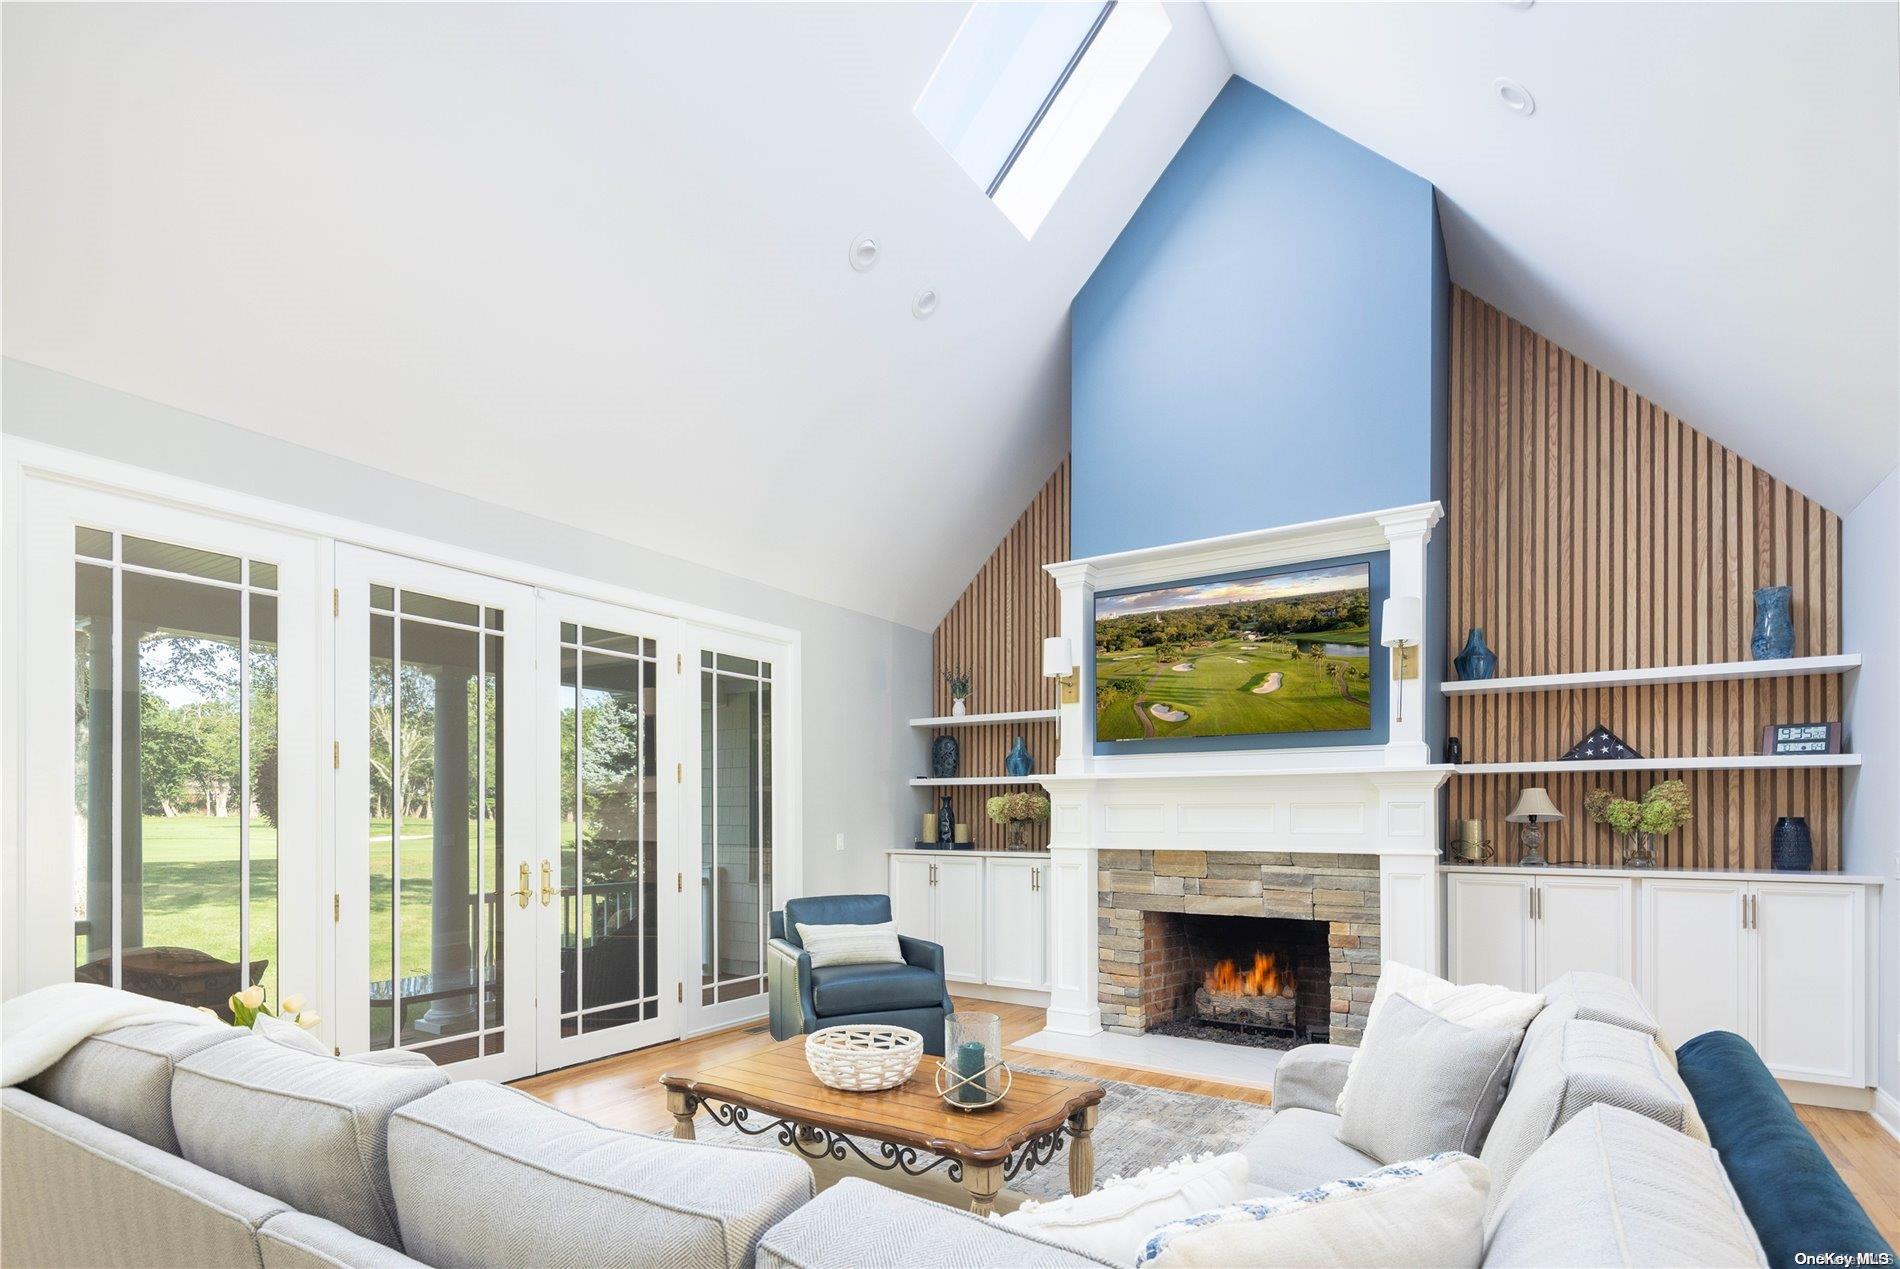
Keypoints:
(588, 261)
(1705, 204)
(584, 261)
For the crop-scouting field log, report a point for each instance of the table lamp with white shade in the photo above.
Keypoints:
(1533, 809)
(1402, 627)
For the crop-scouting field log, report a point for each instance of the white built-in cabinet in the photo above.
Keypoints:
(1785, 964)
(1522, 929)
(990, 911)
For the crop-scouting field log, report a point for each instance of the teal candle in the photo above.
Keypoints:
(970, 1063)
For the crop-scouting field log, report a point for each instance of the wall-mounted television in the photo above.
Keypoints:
(1267, 654)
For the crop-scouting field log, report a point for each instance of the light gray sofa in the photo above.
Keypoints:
(172, 1145)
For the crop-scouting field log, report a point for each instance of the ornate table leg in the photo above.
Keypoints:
(1082, 1149)
(982, 1180)
(682, 1104)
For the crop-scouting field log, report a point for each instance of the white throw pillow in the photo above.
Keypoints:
(1429, 1211)
(1476, 1005)
(1113, 1222)
(288, 1034)
(851, 944)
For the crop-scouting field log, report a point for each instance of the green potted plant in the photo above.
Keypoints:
(959, 681)
(1637, 824)
(1016, 812)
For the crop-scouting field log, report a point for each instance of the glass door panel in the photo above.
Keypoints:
(175, 791)
(736, 829)
(427, 668)
(619, 885)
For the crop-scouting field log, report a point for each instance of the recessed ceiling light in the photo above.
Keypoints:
(924, 305)
(1516, 98)
(863, 253)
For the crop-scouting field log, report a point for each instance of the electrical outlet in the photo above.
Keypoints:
(841, 843)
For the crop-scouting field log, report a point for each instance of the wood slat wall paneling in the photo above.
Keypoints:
(995, 630)
(1592, 530)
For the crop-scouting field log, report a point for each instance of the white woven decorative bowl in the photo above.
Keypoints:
(863, 1058)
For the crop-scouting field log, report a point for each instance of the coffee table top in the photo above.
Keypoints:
(779, 1082)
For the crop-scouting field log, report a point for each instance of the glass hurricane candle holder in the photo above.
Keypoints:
(971, 1074)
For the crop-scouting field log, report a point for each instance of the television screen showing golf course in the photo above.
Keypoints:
(1286, 652)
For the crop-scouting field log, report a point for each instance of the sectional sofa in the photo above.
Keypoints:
(167, 1145)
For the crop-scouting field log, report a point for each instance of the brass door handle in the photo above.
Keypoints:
(547, 884)
(521, 895)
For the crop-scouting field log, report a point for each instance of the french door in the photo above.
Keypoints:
(435, 837)
(611, 874)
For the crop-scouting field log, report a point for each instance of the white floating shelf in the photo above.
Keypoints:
(1750, 762)
(931, 782)
(1714, 672)
(987, 720)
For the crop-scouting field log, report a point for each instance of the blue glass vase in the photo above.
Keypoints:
(1476, 661)
(1774, 623)
(1016, 761)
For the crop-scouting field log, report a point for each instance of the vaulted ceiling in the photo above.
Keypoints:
(589, 261)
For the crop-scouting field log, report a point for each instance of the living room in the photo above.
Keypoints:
(1252, 634)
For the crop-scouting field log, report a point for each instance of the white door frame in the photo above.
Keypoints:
(356, 570)
(42, 934)
(674, 908)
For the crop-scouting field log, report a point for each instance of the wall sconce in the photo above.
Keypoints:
(1058, 663)
(1401, 627)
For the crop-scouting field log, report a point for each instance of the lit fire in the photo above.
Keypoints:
(1265, 979)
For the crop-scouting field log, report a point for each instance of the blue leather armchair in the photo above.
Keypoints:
(805, 999)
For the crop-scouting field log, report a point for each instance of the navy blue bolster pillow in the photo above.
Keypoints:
(1794, 1198)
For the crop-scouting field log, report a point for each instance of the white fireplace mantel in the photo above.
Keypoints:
(1379, 800)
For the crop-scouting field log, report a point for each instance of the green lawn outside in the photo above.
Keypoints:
(1217, 694)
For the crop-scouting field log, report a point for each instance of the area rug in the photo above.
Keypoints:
(1140, 1127)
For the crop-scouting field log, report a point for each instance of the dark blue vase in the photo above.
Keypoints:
(1016, 761)
(1792, 846)
(1774, 623)
(1476, 661)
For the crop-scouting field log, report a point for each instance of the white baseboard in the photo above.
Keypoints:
(1007, 995)
(1887, 1112)
(1837, 1096)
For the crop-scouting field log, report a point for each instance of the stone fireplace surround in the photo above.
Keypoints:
(1146, 966)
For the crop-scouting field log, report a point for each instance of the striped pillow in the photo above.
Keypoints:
(851, 944)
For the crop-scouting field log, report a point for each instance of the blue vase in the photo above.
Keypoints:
(1791, 845)
(1476, 661)
(1016, 761)
(1774, 623)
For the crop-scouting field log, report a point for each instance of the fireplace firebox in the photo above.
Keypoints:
(1256, 979)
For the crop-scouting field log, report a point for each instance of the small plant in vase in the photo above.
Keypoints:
(1016, 812)
(1664, 809)
(959, 681)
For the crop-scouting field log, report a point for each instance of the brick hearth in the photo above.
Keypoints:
(1145, 957)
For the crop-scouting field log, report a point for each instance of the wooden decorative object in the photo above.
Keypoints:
(996, 629)
(1588, 530)
(863, 1058)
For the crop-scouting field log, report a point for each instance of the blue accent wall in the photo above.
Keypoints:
(1260, 346)
(1266, 343)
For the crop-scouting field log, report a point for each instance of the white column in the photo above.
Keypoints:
(1406, 533)
(1074, 1008)
(1407, 833)
(1075, 723)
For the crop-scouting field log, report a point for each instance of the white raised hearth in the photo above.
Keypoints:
(1366, 800)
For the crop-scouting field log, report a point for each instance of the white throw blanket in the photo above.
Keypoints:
(41, 1027)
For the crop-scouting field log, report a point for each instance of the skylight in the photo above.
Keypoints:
(1025, 90)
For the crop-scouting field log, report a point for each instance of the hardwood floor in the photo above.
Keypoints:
(624, 1092)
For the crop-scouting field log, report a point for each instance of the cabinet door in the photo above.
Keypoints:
(1585, 923)
(1489, 923)
(1810, 983)
(1694, 955)
(911, 895)
(959, 922)
(1018, 924)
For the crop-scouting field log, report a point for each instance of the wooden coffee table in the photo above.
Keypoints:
(980, 1149)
